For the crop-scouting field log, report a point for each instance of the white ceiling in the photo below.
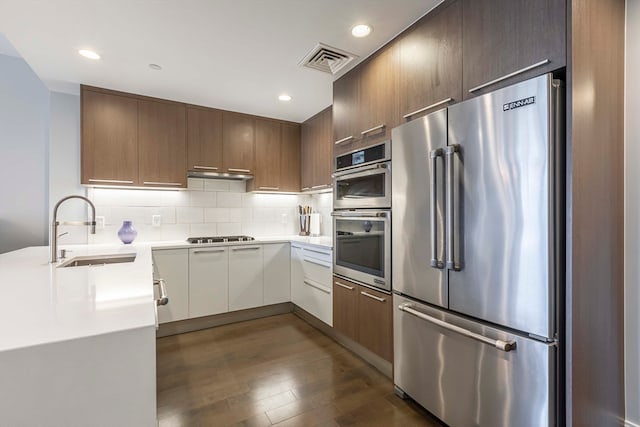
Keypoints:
(236, 55)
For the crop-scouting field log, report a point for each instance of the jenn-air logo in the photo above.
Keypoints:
(519, 103)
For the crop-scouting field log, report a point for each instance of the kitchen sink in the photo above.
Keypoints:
(97, 260)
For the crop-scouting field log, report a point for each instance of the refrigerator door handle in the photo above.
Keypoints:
(505, 346)
(433, 157)
(449, 195)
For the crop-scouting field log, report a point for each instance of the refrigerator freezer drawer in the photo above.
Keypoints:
(463, 373)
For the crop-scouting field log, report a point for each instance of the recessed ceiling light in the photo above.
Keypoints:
(284, 97)
(361, 30)
(89, 54)
(155, 67)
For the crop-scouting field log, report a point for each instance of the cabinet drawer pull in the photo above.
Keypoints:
(172, 184)
(344, 286)
(317, 286)
(269, 188)
(239, 170)
(321, 264)
(306, 188)
(317, 251)
(428, 107)
(209, 168)
(110, 181)
(372, 296)
(164, 298)
(506, 76)
(340, 141)
(252, 248)
(320, 186)
(364, 132)
(210, 251)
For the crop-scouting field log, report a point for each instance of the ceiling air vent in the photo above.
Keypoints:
(326, 58)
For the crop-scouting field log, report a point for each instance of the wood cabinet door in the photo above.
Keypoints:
(268, 147)
(208, 281)
(204, 139)
(378, 100)
(501, 37)
(245, 277)
(290, 157)
(109, 138)
(172, 265)
(162, 143)
(345, 307)
(346, 127)
(430, 62)
(317, 151)
(238, 143)
(375, 318)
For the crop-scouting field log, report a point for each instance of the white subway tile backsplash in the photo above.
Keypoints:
(196, 184)
(174, 232)
(189, 215)
(229, 200)
(216, 215)
(229, 228)
(167, 214)
(216, 185)
(202, 198)
(203, 230)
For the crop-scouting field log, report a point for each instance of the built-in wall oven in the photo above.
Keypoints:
(362, 216)
(363, 179)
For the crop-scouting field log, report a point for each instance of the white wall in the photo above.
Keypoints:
(24, 135)
(632, 213)
(64, 165)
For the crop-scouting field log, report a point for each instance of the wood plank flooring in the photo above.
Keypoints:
(278, 371)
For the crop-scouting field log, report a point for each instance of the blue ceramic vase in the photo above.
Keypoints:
(127, 233)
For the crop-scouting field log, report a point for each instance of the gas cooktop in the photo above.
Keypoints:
(220, 239)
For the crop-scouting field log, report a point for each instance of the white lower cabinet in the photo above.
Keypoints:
(277, 273)
(246, 288)
(311, 287)
(208, 281)
(172, 265)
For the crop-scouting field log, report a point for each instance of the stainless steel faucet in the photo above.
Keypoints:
(53, 238)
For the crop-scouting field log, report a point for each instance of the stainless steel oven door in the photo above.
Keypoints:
(365, 187)
(362, 246)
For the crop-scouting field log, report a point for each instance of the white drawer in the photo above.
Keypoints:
(317, 270)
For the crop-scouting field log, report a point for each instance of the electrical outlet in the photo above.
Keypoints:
(156, 220)
(284, 218)
(100, 221)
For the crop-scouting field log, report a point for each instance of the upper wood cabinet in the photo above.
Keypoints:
(430, 62)
(290, 165)
(162, 143)
(204, 139)
(317, 147)
(109, 138)
(502, 37)
(346, 126)
(268, 153)
(238, 143)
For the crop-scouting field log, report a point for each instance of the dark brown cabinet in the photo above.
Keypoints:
(345, 308)
(346, 127)
(109, 138)
(430, 62)
(290, 146)
(268, 151)
(317, 149)
(204, 139)
(238, 143)
(162, 143)
(503, 37)
(364, 315)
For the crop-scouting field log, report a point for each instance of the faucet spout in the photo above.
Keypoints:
(53, 238)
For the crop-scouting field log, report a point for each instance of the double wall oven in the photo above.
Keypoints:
(362, 216)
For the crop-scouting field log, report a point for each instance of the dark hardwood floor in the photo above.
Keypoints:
(278, 371)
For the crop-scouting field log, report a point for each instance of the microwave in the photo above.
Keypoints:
(363, 179)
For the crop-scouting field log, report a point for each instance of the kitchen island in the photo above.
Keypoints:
(78, 343)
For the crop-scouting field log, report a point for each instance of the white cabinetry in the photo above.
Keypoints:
(245, 277)
(277, 273)
(311, 289)
(172, 265)
(208, 281)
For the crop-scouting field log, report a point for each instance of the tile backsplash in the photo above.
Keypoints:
(207, 208)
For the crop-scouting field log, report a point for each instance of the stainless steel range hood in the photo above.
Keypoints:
(218, 175)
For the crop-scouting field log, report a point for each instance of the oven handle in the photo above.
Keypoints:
(355, 170)
(360, 214)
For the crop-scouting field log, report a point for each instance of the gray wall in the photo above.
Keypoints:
(24, 135)
(632, 214)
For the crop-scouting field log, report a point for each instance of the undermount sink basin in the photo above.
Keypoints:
(97, 260)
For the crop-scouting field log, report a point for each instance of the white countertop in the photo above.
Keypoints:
(44, 304)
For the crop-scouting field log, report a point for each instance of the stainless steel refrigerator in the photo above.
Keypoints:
(477, 200)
